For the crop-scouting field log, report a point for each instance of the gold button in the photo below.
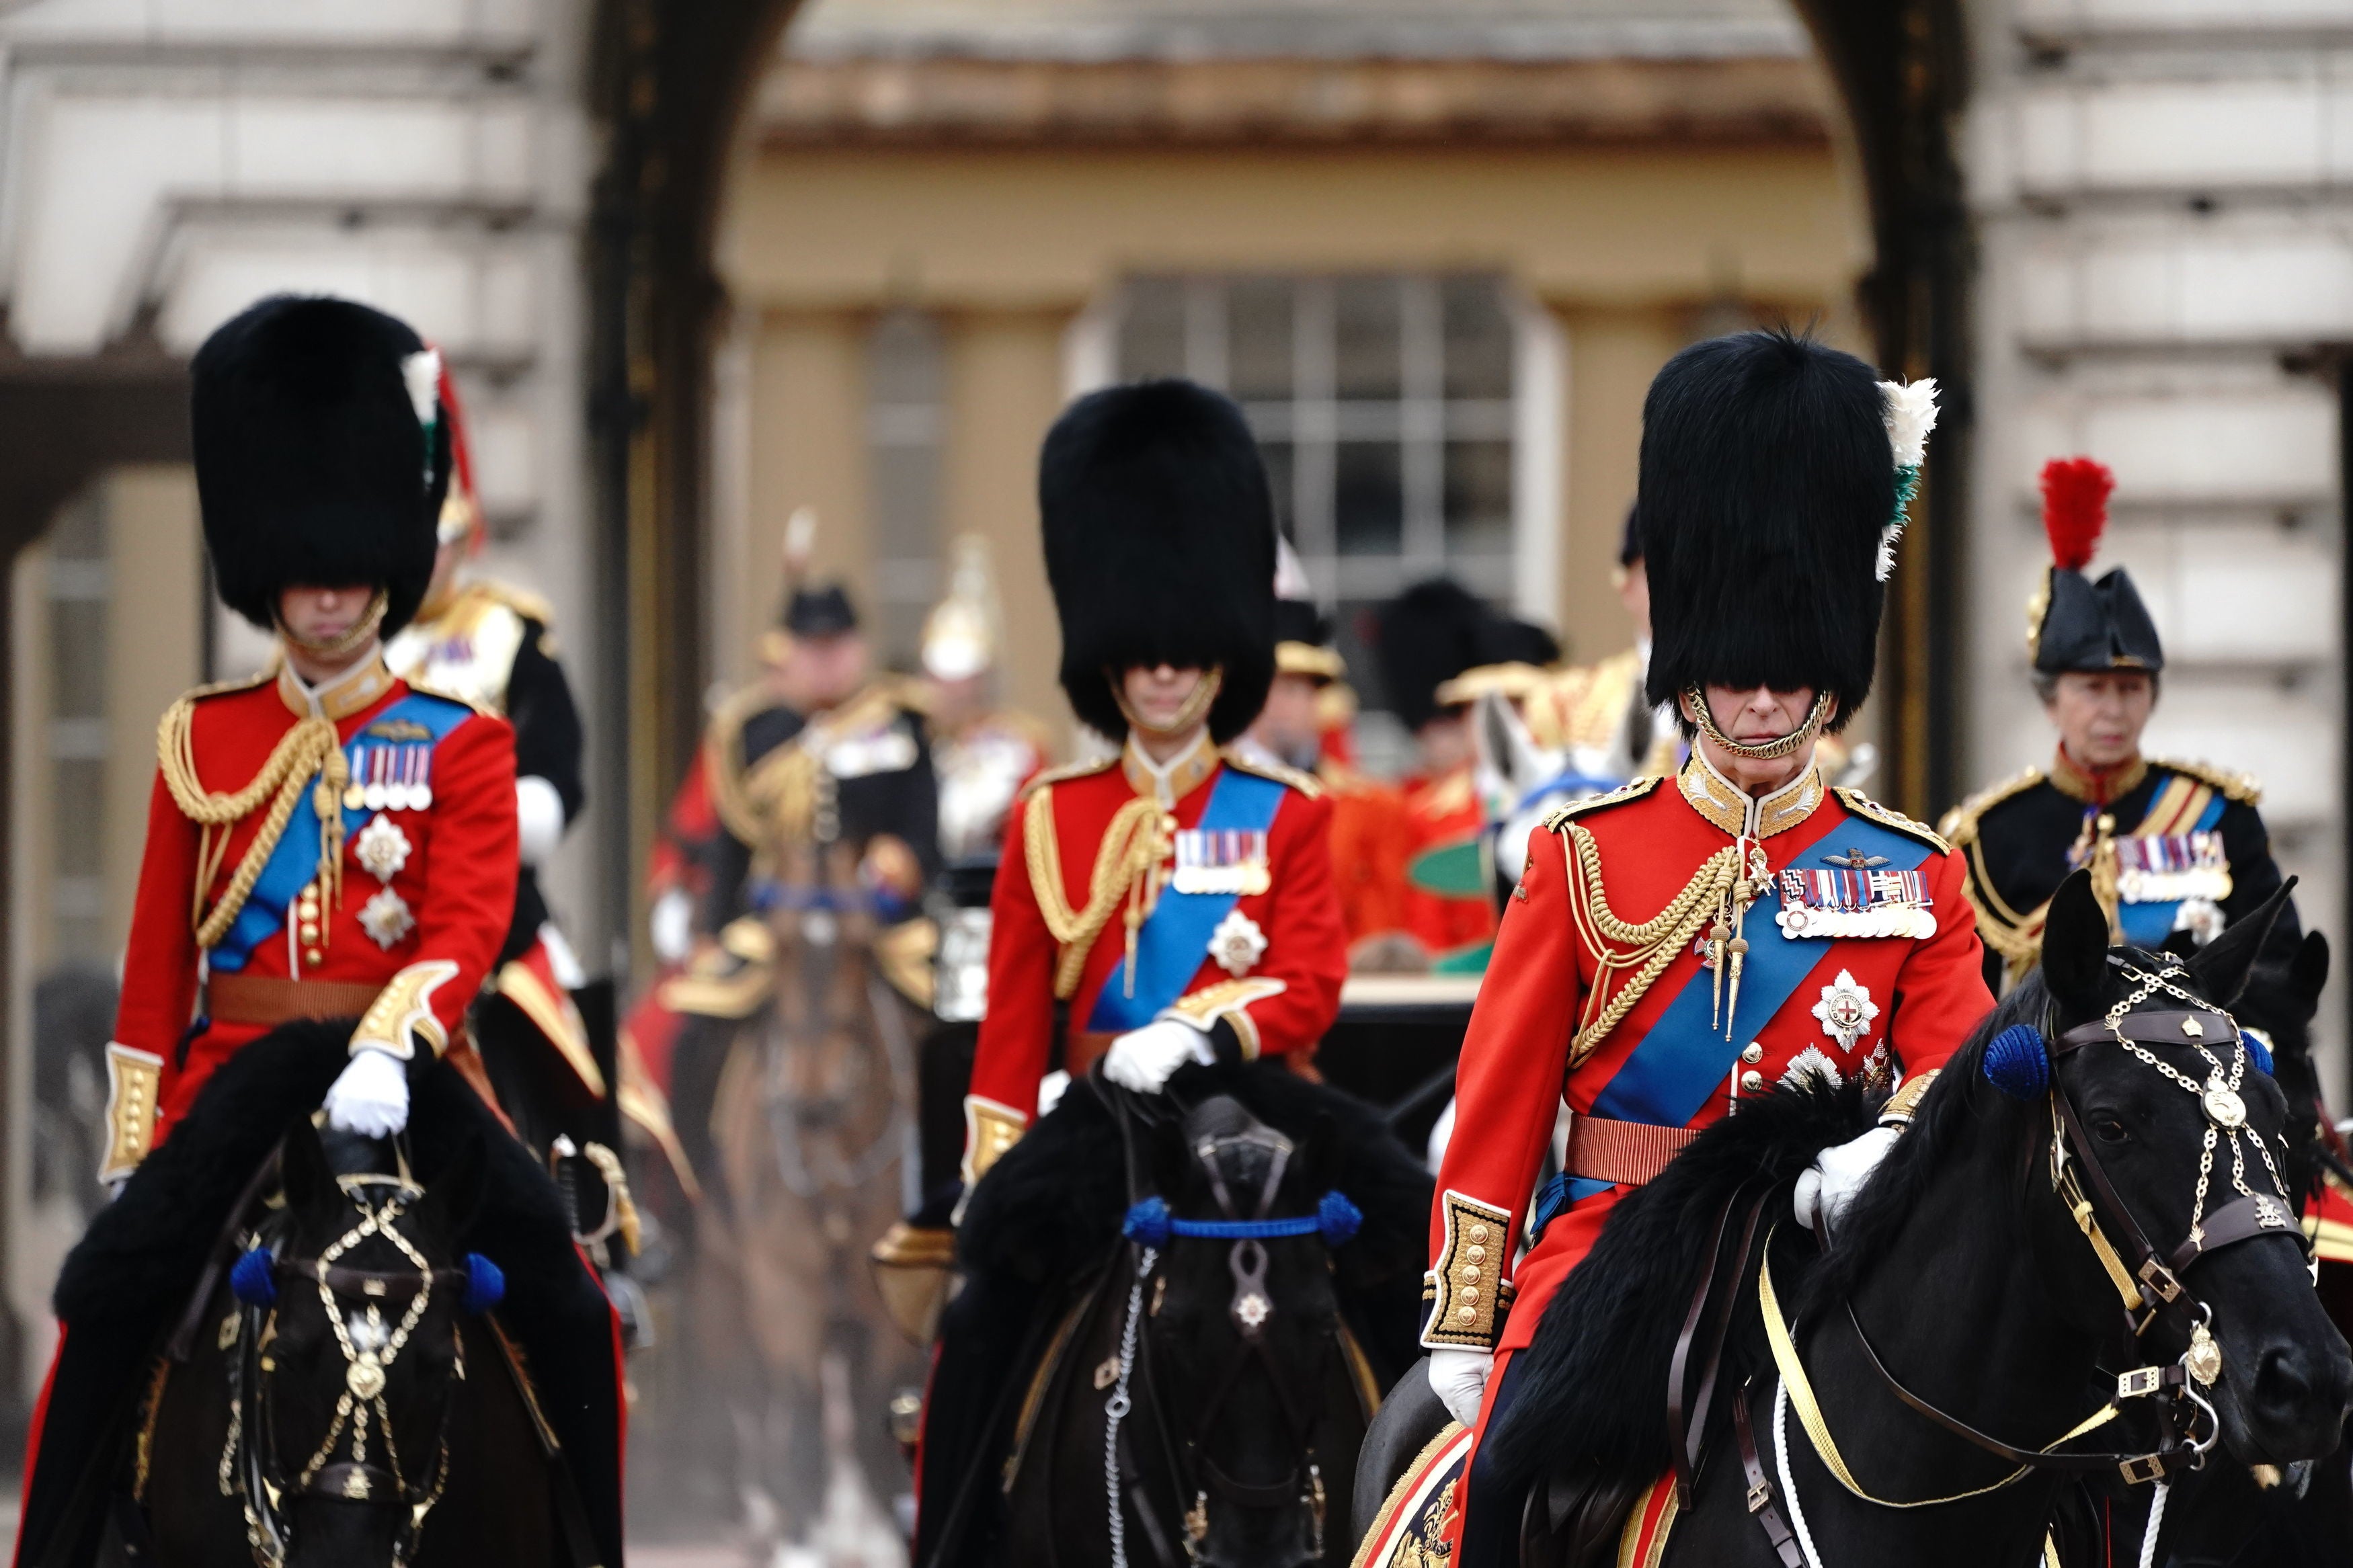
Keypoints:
(1471, 1295)
(313, 956)
(1478, 1233)
(1470, 1274)
(1752, 1080)
(1752, 1053)
(1478, 1255)
(1466, 1314)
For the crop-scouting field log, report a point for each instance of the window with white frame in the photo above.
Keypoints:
(1393, 412)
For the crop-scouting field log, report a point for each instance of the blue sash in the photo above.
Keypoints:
(1667, 1079)
(2148, 925)
(295, 860)
(1174, 940)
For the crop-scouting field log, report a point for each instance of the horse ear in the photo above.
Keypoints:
(302, 1169)
(2221, 966)
(2307, 972)
(452, 1197)
(2180, 944)
(2075, 946)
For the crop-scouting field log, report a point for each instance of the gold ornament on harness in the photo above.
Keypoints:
(2204, 1358)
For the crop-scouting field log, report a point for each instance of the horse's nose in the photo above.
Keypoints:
(2306, 1390)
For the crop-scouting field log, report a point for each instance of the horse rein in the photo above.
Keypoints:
(369, 1347)
(2151, 1287)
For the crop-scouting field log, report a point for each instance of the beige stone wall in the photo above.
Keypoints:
(1634, 249)
(155, 651)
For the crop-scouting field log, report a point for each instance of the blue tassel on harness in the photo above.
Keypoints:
(2017, 1063)
(486, 1284)
(1149, 1224)
(2259, 1048)
(254, 1278)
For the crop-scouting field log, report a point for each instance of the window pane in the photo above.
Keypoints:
(1478, 339)
(1364, 354)
(1278, 456)
(79, 810)
(1258, 338)
(1152, 329)
(78, 658)
(1478, 498)
(1369, 500)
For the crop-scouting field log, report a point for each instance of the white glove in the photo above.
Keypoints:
(670, 922)
(1836, 1176)
(539, 819)
(371, 1096)
(1459, 1378)
(1051, 1090)
(1144, 1059)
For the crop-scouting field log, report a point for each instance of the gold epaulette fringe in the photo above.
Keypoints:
(2242, 787)
(1561, 816)
(1887, 817)
(1307, 784)
(1961, 824)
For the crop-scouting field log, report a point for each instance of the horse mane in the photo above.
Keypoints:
(1591, 1391)
(1870, 1224)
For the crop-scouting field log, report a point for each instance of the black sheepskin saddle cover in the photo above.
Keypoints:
(1592, 1399)
(1050, 1211)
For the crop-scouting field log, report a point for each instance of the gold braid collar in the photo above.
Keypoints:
(311, 748)
(1128, 865)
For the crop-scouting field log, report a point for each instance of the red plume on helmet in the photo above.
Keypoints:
(461, 509)
(2075, 509)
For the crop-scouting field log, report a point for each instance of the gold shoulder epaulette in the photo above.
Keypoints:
(430, 689)
(1863, 805)
(530, 605)
(1307, 784)
(1961, 824)
(1067, 771)
(1561, 816)
(2244, 788)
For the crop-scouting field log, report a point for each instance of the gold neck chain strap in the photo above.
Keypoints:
(1715, 901)
(311, 748)
(362, 633)
(1765, 751)
(1205, 693)
(1126, 867)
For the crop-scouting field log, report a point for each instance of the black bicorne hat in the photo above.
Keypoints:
(1159, 547)
(2077, 623)
(322, 457)
(1768, 480)
(821, 611)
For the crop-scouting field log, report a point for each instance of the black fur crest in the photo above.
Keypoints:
(1594, 1391)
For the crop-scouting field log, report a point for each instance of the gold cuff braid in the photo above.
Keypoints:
(1470, 1292)
(1905, 1101)
(989, 1130)
(403, 1009)
(1230, 1000)
(135, 1084)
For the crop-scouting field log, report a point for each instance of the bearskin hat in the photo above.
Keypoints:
(322, 457)
(1428, 634)
(2076, 623)
(1159, 547)
(1768, 481)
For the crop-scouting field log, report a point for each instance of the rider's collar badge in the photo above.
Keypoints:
(1238, 943)
(1221, 860)
(1855, 901)
(382, 848)
(386, 918)
(1846, 1011)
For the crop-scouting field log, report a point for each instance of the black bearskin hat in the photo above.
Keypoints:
(313, 467)
(1159, 547)
(2078, 624)
(1768, 478)
(1428, 634)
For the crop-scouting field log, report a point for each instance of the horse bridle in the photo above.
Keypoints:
(2149, 1279)
(1251, 1308)
(250, 1463)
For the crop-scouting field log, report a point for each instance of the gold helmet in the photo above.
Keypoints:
(961, 633)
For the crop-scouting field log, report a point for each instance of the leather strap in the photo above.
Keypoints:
(1631, 1152)
(354, 1483)
(2166, 1029)
(1684, 1437)
(2241, 1219)
(1760, 1489)
(267, 1001)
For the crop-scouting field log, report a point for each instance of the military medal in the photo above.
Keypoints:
(1846, 1011)
(382, 848)
(386, 918)
(2163, 868)
(1238, 943)
(1856, 900)
(1221, 860)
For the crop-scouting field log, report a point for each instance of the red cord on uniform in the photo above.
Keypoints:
(2076, 508)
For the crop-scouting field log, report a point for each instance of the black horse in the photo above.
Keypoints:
(1222, 1359)
(1966, 1317)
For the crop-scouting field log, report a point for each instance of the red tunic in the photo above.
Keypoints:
(1651, 840)
(1439, 813)
(454, 890)
(1282, 1002)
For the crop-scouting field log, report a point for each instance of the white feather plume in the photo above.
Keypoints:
(422, 371)
(1910, 410)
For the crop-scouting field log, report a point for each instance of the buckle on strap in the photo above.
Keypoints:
(2154, 1274)
(2143, 1467)
(2141, 1383)
(1760, 1496)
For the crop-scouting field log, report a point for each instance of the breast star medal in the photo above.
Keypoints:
(1238, 943)
(386, 918)
(1846, 1011)
(382, 848)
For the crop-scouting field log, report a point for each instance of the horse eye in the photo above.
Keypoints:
(2108, 1129)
